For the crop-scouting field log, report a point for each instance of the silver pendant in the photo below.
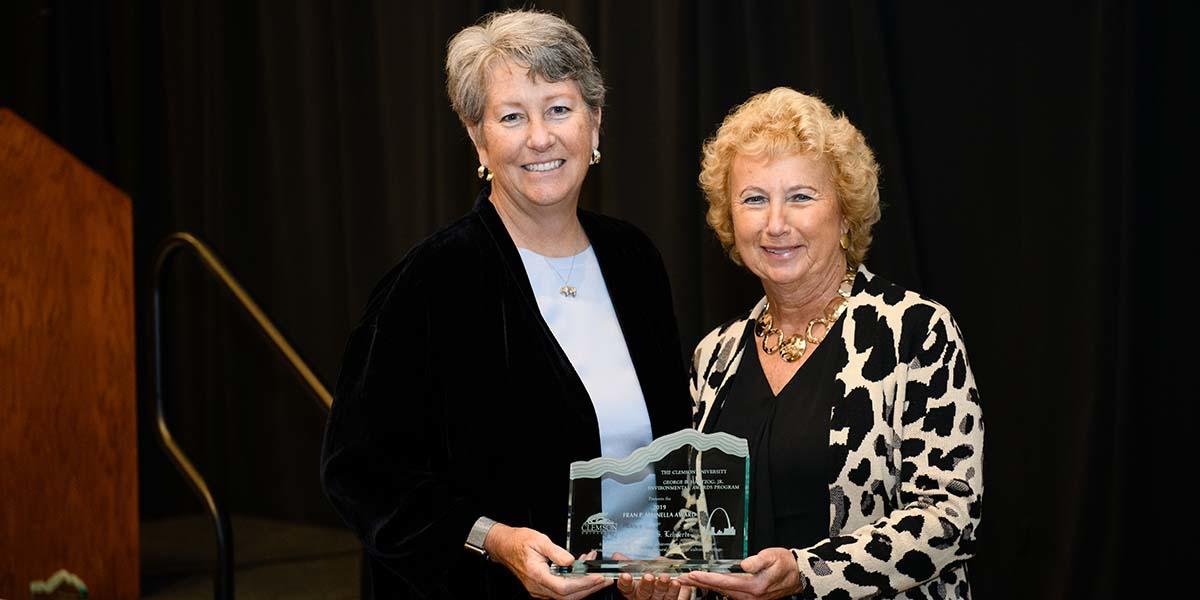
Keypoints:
(567, 291)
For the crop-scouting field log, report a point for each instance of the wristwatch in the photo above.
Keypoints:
(478, 535)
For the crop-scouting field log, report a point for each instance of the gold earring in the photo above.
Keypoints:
(845, 241)
(595, 157)
(483, 173)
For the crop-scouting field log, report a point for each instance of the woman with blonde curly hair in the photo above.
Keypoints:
(865, 428)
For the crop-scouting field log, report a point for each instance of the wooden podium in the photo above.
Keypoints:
(68, 432)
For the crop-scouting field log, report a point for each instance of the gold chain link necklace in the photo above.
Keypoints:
(791, 348)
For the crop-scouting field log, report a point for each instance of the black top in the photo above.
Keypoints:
(789, 445)
(455, 401)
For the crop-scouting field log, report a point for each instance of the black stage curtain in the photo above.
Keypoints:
(1026, 156)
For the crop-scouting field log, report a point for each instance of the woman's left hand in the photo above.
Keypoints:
(648, 586)
(775, 575)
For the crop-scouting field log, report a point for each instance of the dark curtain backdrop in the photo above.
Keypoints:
(1026, 156)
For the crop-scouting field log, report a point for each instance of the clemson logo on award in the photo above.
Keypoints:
(597, 524)
(728, 530)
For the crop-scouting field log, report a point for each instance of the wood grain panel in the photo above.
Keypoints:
(68, 437)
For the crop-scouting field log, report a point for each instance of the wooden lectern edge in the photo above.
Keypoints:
(7, 113)
(59, 212)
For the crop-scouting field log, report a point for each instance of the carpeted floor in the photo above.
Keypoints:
(273, 559)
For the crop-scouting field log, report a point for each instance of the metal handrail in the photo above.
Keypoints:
(223, 583)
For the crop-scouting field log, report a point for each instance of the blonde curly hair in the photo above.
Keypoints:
(782, 122)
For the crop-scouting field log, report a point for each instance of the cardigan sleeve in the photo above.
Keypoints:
(939, 426)
(384, 460)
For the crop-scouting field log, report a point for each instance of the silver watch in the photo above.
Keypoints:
(478, 535)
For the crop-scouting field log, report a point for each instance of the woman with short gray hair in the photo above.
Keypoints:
(526, 335)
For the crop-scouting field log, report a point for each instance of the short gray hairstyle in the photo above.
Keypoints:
(551, 48)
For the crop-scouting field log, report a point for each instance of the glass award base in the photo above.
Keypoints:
(612, 569)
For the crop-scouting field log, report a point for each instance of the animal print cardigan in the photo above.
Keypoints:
(906, 501)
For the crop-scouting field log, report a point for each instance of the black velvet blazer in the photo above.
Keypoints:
(455, 401)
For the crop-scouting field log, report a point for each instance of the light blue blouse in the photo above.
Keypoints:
(586, 327)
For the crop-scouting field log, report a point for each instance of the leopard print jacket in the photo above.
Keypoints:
(906, 502)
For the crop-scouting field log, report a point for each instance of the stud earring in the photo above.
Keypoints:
(595, 157)
(483, 173)
(844, 242)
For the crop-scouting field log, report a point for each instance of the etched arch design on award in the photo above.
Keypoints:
(729, 529)
(678, 504)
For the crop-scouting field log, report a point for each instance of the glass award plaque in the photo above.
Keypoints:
(677, 505)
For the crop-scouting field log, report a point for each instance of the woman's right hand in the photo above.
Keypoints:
(525, 551)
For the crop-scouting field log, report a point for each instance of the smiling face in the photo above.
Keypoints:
(537, 139)
(786, 219)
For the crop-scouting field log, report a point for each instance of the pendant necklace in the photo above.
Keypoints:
(567, 290)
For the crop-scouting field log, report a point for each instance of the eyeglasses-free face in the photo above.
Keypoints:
(537, 139)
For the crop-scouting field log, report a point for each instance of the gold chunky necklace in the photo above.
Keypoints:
(791, 348)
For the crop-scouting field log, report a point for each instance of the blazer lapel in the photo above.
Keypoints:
(628, 300)
(726, 349)
(574, 393)
(649, 330)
